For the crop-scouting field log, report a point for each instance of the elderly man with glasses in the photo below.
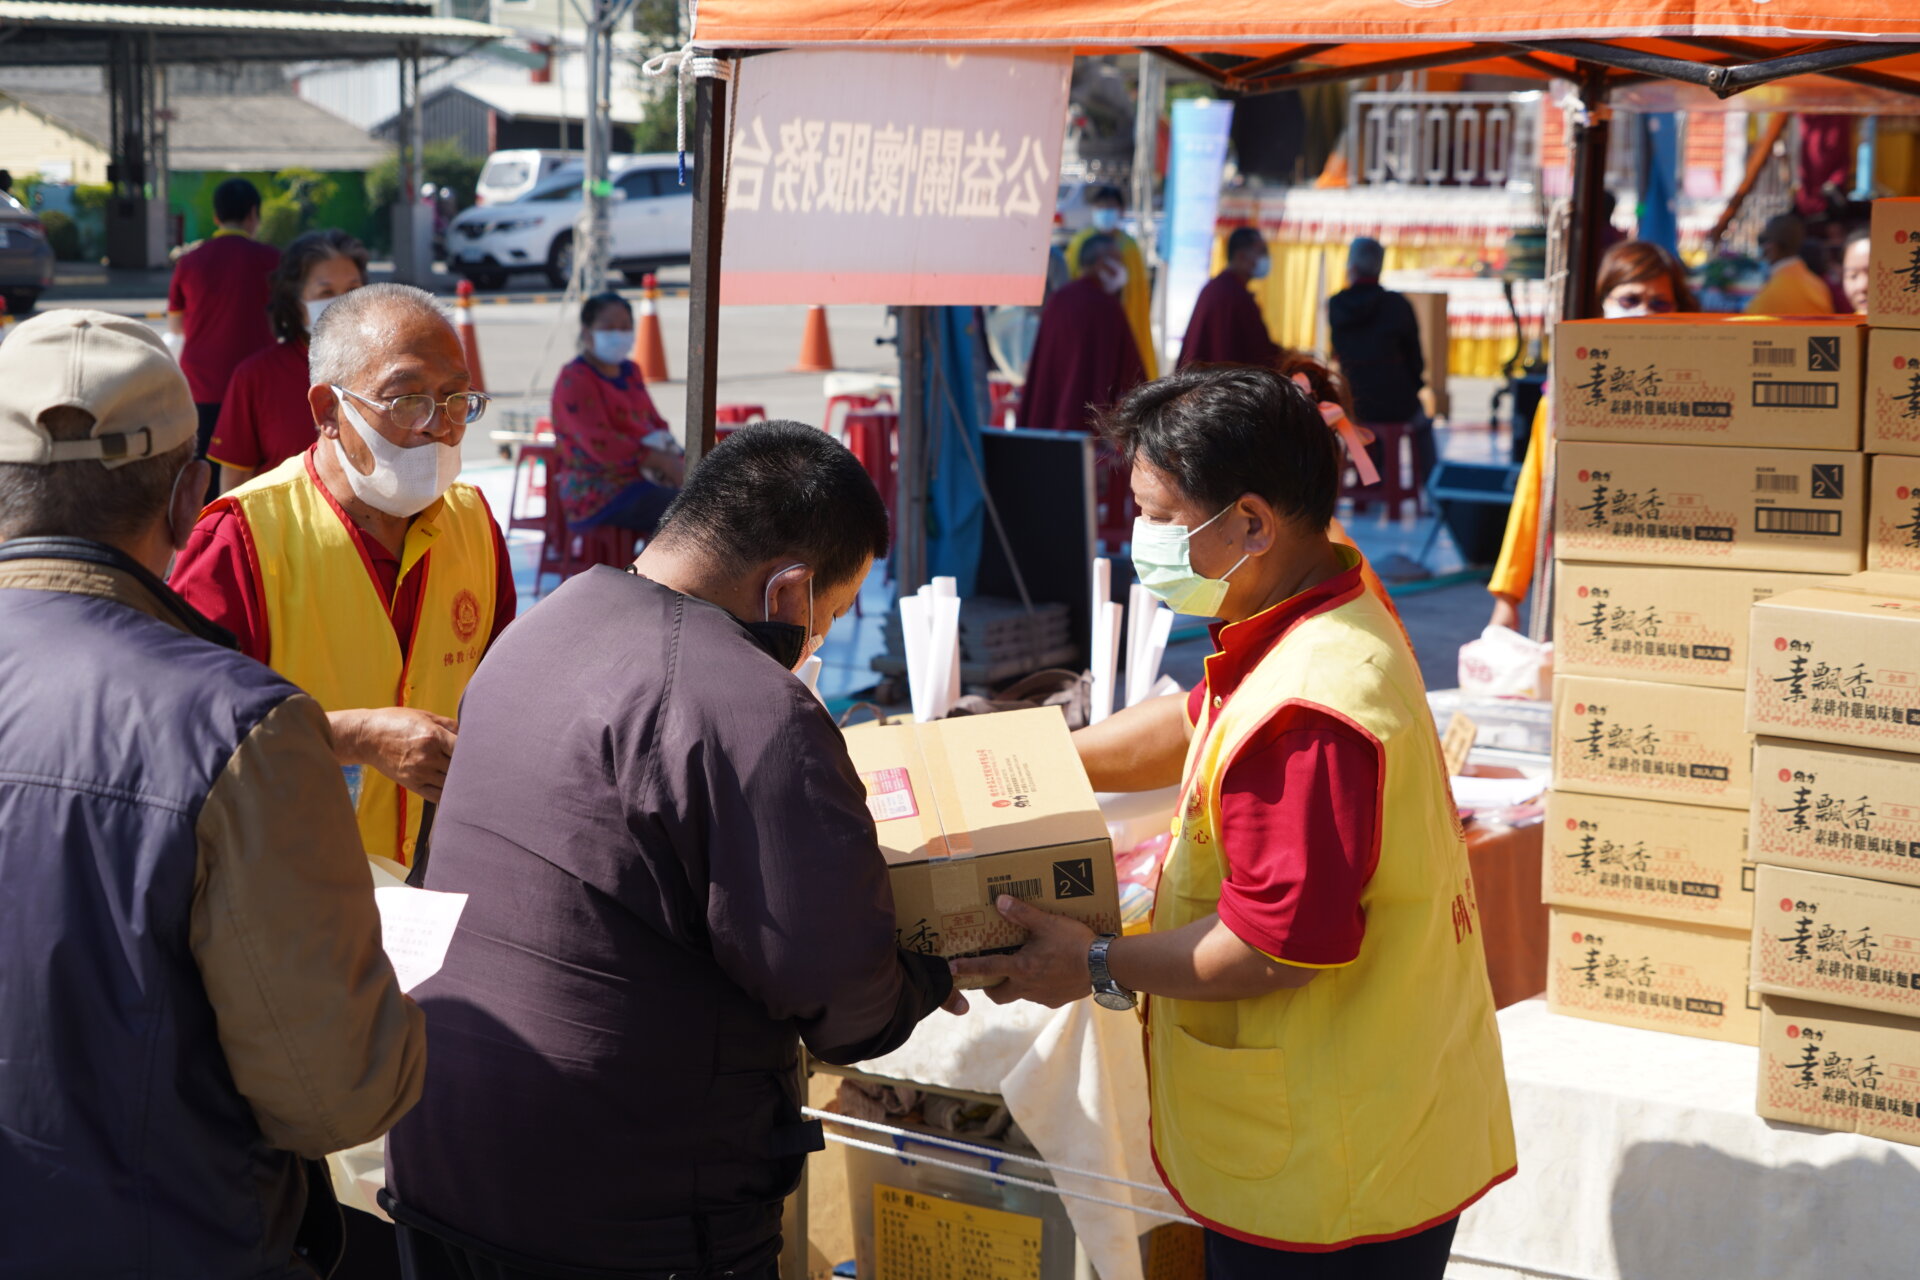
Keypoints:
(360, 570)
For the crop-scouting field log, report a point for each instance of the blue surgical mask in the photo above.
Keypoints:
(1161, 557)
(1261, 268)
(610, 346)
(1106, 219)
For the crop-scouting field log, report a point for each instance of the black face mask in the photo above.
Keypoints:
(784, 642)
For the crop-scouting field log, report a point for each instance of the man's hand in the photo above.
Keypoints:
(1051, 969)
(956, 1002)
(410, 746)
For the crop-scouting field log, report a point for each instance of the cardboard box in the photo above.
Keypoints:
(1635, 738)
(1682, 626)
(1801, 510)
(1891, 400)
(1751, 381)
(1836, 666)
(1660, 977)
(1681, 862)
(1836, 939)
(1893, 515)
(1843, 1069)
(1893, 296)
(973, 807)
(1837, 809)
(1877, 582)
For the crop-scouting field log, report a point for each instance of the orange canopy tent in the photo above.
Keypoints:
(1725, 47)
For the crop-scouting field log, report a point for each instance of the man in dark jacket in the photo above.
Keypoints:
(672, 881)
(1377, 339)
(194, 1006)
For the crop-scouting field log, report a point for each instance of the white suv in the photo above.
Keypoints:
(650, 223)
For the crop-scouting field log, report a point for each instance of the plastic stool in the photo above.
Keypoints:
(538, 459)
(738, 415)
(1394, 490)
(849, 404)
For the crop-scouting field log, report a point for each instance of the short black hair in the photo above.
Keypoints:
(1244, 237)
(1228, 431)
(235, 200)
(1107, 193)
(590, 309)
(781, 491)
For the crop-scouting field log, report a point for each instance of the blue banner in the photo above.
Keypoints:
(1196, 156)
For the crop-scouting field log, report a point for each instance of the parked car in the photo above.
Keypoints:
(650, 225)
(26, 258)
(508, 175)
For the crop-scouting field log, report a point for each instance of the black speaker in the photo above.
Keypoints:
(1474, 498)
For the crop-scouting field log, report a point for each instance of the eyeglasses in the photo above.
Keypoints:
(416, 412)
(1641, 300)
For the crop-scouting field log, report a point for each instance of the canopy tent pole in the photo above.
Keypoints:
(703, 293)
(1592, 132)
(910, 513)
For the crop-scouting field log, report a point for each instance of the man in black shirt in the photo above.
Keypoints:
(673, 881)
(1377, 340)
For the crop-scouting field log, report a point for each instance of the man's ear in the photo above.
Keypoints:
(183, 508)
(325, 407)
(789, 597)
(1263, 524)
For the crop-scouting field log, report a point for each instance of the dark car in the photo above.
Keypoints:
(26, 259)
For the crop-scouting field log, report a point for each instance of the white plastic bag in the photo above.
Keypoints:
(1502, 663)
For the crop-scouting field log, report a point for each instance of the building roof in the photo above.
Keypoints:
(225, 133)
(542, 101)
(65, 32)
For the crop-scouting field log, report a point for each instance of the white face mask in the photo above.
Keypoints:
(610, 346)
(315, 306)
(404, 482)
(1106, 219)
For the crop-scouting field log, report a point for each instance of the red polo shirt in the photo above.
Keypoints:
(265, 418)
(217, 574)
(221, 291)
(1299, 805)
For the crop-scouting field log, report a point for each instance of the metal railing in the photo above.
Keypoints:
(1444, 139)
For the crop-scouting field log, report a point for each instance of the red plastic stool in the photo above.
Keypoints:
(1394, 489)
(1003, 400)
(848, 404)
(738, 415)
(538, 460)
(1113, 484)
(871, 435)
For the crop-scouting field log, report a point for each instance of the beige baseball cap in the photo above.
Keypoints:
(113, 367)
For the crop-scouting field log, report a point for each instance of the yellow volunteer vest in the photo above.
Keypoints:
(1371, 1102)
(332, 634)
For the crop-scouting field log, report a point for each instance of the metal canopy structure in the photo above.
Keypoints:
(135, 43)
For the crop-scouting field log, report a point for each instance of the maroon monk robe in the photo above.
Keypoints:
(1084, 359)
(1227, 327)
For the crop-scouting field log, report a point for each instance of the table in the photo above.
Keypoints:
(1641, 1158)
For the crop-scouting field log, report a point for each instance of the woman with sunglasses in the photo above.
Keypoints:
(1637, 278)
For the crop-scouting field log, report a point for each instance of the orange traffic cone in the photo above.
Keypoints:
(649, 348)
(469, 341)
(816, 344)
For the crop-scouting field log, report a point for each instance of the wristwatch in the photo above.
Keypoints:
(1107, 993)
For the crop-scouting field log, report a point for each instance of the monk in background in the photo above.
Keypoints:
(1227, 327)
(1085, 358)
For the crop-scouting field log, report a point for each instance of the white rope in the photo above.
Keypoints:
(1046, 1187)
(831, 1117)
(686, 61)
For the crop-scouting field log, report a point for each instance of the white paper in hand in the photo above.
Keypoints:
(416, 927)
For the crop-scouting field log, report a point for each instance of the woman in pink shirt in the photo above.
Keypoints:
(618, 462)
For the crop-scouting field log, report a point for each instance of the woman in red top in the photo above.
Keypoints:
(264, 417)
(618, 462)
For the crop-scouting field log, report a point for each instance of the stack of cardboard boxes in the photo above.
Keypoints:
(1703, 464)
(1835, 696)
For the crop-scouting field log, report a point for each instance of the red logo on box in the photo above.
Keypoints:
(1786, 775)
(1583, 590)
(1903, 493)
(1001, 804)
(1576, 938)
(1780, 643)
(1786, 904)
(1793, 1032)
(1583, 477)
(1579, 708)
(1580, 354)
(1572, 825)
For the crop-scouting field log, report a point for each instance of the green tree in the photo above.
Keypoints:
(307, 189)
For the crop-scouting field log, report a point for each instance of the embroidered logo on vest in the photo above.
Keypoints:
(466, 614)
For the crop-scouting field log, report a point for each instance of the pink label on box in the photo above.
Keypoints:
(890, 795)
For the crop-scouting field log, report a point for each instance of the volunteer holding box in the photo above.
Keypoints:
(1326, 1084)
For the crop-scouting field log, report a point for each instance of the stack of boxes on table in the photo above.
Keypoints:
(1703, 464)
(1835, 698)
(1733, 841)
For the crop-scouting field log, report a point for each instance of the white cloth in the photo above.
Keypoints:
(1641, 1158)
(1075, 1081)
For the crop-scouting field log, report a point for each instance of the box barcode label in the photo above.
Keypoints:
(1021, 889)
(1767, 482)
(1824, 524)
(890, 795)
(1772, 356)
(1796, 395)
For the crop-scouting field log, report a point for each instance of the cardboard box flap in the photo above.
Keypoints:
(900, 796)
(1855, 601)
(1009, 781)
